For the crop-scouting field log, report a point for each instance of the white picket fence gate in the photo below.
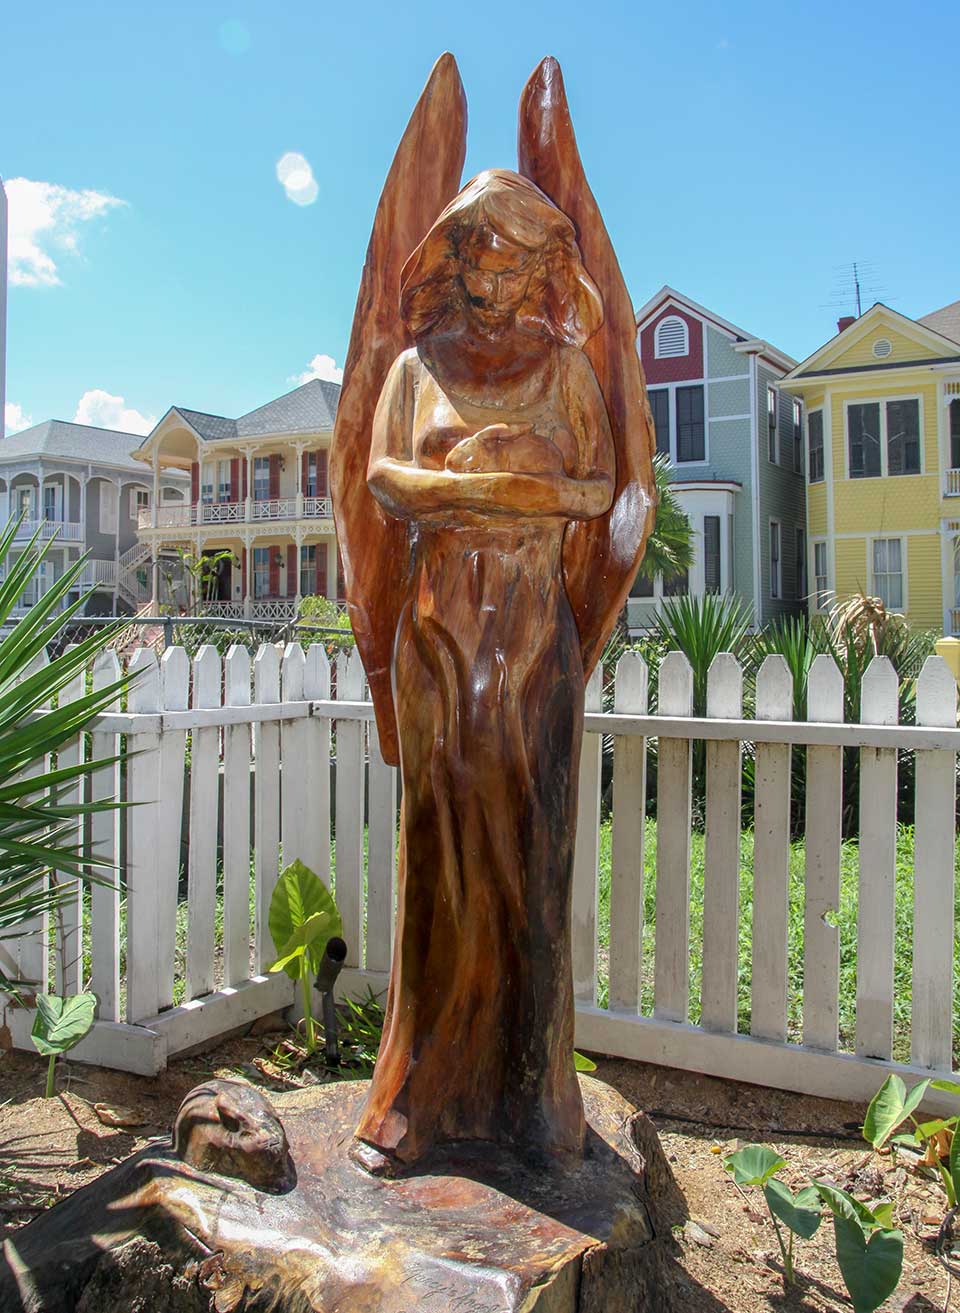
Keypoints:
(278, 727)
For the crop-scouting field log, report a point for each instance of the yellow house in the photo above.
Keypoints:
(882, 417)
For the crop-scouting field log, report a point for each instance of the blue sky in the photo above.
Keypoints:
(744, 153)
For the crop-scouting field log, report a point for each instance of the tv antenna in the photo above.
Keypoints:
(855, 283)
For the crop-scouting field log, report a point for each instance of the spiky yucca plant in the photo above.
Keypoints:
(38, 827)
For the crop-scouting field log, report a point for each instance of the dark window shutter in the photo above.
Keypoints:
(304, 471)
(243, 478)
(235, 480)
(321, 474)
(292, 580)
(274, 571)
(274, 477)
(341, 587)
(321, 569)
(244, 553)
(195, 482)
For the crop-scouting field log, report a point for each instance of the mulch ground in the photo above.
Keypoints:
(727, 1251)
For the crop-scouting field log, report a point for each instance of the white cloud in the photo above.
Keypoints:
(43, 219)
(14, 418)
(324, 367)
(296, 177)
(104, 411)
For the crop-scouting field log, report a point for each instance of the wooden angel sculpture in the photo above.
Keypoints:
(493, 490)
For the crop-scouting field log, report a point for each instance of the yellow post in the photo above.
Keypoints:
(949, 649)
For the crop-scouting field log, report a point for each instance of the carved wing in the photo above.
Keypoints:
(423, 179)
(600, 557)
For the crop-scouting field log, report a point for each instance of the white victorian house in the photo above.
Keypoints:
(81, 486)
(257, 489)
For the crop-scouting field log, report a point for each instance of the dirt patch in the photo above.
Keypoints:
(728, 1257)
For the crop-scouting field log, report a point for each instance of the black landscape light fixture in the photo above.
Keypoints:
(334, 956)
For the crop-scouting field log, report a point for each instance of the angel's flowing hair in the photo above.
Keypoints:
(562, 300)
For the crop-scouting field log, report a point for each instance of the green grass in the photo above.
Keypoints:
(846, 921)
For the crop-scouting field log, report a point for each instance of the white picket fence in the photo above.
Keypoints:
(274, 718)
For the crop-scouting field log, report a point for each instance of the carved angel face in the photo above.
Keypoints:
(501, 252)
(494, 274)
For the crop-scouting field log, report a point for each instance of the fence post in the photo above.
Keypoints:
(236, 822)
(204, 791)
(876, 899)
(721, 876)
(105, 846)
(69, 961)
(627, 838)
(316, 688)
(349, 808)
(771, 857)
(671, 967)
(293, 759)
(33, 956)
(824, 806)
(174, 696)
(143, 885)
(933, 879)
(586, 876)
(266, 804)
(381, 855)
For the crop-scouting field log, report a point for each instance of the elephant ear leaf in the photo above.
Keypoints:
(302, 916)
(60, 1023)
(755, 1164)
(800, 1212)
(870, 1268)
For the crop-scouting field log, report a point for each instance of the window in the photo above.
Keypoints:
(206, 483)
(52, 502)
(660, 405)
(261, 571)
(888, 572)
(863, 439)
(308, 568)
(821, 583)
(25, 500)
(224, 481)
(955, 435)
(691, 443)
(883, 439)
(310, 487)
(108, 507)
(678, 585)
(773, 450)
(903, 437)
(797, 436)
(711, 553)
(141, 501)
(261, 478)
(815, 445)
(671, 338)
(643, 585)
(801, 575)
(776, 573)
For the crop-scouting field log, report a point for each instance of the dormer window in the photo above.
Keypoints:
(672, 338)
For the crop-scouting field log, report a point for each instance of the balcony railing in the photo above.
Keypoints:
(236, 512)
(70, 531)
(99, 574)
(952, 488)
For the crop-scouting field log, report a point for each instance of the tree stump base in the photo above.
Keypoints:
(473, 1228)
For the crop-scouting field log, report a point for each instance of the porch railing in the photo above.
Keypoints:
(236, 512)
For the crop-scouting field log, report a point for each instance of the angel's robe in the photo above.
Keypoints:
(489, 688)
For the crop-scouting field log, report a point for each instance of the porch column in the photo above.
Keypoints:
(248, 577)
(156, 490)
(248, 502)
(298, 454)
(331, 568)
